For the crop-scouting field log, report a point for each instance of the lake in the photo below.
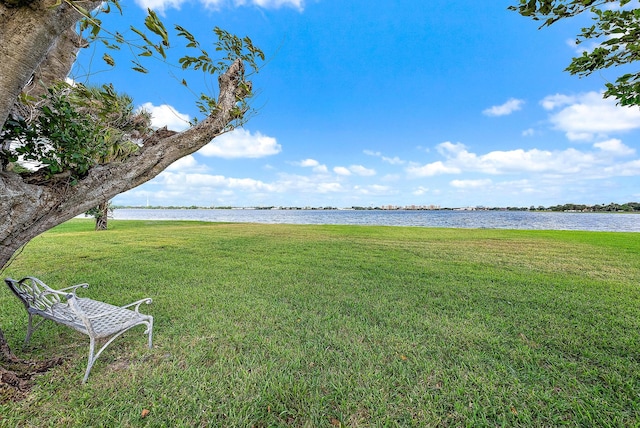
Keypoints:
(441, 218)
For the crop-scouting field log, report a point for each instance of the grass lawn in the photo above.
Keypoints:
(293, 325)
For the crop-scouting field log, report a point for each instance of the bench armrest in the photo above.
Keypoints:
(137, 304)
(73, 288)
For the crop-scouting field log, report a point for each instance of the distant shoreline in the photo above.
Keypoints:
(635, 208)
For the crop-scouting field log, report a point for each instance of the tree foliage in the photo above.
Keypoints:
(71, 129)
(615, 29)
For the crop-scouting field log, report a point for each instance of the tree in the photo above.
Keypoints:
(615, 29)
(101, 213)
(38, 45)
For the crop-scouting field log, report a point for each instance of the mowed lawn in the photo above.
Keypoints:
(293, 325)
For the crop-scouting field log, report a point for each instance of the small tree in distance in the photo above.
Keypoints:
(101, 213)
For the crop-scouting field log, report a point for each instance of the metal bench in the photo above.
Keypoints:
(96, 319)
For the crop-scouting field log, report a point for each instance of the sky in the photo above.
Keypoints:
(399, 102)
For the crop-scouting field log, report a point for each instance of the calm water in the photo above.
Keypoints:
(462, 219)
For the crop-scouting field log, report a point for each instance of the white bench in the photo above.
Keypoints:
(96, 319)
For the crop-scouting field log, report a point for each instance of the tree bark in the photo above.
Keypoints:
(27, 34)
(102, 219)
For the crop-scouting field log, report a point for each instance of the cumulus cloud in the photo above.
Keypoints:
(341, 170)
(393, 161)
(185, 163)
(241, 143)
(458, 160)
(431, 169)
(579, 48)
(471, 184)
(305, 185)
(176, 181)
(420, 190)
(162, 5)
(354, 169)
(505, 109)
(271, 4)
(308, 163)
(615, 147)
(314, 164)
(373, 190)
(362, 171)
(627, 169)
(165, 115)
(585, 116)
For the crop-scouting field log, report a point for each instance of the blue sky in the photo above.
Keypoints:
(449, 103)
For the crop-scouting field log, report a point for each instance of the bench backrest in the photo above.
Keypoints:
(33, 293)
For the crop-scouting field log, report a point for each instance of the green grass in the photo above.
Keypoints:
(293, 325)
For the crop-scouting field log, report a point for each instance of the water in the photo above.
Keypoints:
(451, 219)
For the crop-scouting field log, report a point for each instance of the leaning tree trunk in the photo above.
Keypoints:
(29, 207)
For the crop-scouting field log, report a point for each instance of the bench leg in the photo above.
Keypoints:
(92, 343)
(29, 330)
(150, 330)
(92, 359)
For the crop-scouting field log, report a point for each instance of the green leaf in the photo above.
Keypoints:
(108, 59)
(153, 23)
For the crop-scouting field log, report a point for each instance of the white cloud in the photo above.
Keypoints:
(165, 115)
(308, 163)
(551, 102)
(507, 108)
(471, 184)
(340, 170)
(587, 115)
(314, 164)
(615, 147)
(184, 163)
(272, 4)
(393, 161)
(582, 47)
(241, 143)
(162, 5)
(180, 181)
(627, 169)
(559, 162)
(420, 191)
(304, 185)
(354, 169)
(373, 190)
(528, 132)
(431, 169)
(362, 171)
